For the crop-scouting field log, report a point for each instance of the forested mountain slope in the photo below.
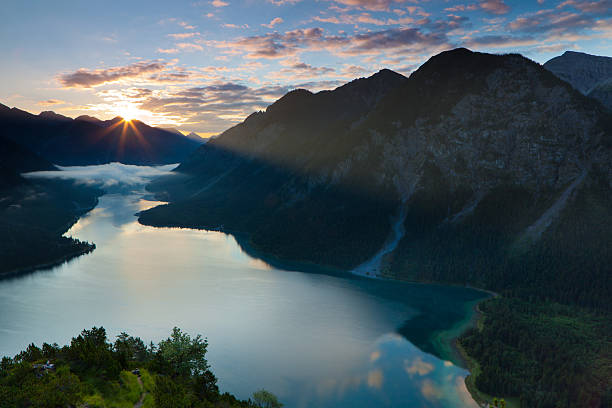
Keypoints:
(493, 171)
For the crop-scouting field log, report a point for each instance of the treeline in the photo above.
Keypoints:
(34, 215)
(547, 355)
(94, 372)
(546, 340)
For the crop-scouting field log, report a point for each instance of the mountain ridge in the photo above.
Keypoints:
(88, 140)
(479, 169)
(590, 74)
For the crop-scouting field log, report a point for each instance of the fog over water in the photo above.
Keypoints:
(313, 339)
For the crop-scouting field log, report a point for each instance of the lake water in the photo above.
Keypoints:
(313, 339)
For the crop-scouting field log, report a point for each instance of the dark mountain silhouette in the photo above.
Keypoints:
(87, 118)
(54, 116)
(478, 169)
(590, 74)
(86, 140)
(35, 213)
(194, 136)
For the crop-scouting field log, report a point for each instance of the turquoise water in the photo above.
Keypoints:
(313, 339)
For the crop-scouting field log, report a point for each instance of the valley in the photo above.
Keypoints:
(361, 246)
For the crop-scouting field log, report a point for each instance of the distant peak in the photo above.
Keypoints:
(53, 116)
(87, 118)
(387, 73)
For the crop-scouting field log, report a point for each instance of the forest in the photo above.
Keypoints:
(94, 372)
(545, 341)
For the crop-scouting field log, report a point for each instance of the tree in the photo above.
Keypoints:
(205, 386)
(129, 349)
(169, 394)
(185, 356)
(91, 352)
(265, 399)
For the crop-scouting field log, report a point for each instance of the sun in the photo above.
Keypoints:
(129, 112)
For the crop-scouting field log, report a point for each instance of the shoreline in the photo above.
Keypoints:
(46, 265)
(13, 273)
(455, 350)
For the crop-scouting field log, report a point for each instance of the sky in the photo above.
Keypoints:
(204, 66)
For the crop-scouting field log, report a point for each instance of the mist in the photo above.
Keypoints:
(112, 177)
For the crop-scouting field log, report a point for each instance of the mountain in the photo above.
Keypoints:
(462, 126)
(194, 136)
(87, 118)
(54, 116)
(87, 140)
(478, 169)
(590, 74)
(34, 214)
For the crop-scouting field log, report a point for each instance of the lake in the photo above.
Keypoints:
(314, 339)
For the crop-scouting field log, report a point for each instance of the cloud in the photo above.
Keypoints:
(375, 379)
(219, 3)
(273, 22)
(430, 391)
(374, 5)
(418, 366)
(51, 102)
(494, 6)
(407, 38)
(283, 2)
(167, 50)
(502, 41)
(230, 25)
(189, 47)
(281, 45)
(88, 78)
(115, 176)
(546, 30)
(298, 69)
(182, 36)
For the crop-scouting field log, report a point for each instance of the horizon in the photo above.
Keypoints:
(203, 66)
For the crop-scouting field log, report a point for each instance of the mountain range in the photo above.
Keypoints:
(87, 140)
(463, 129)
(478, 169)
(35, 213)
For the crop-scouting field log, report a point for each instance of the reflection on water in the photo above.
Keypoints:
(315, 340)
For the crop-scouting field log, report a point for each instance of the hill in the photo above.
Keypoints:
(35, 213)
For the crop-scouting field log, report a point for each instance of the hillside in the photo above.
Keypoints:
(590, 74)
(93, 372)
(35, 213)
(86, 140)
(478, 169)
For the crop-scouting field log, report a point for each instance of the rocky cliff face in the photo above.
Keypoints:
(492, 151)
(587, 73)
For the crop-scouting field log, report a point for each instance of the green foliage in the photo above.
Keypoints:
(89, 372)
(265, 399)
(170, 394)
(91, 352)
(184, 356)
(549, 355)
(130, 349)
